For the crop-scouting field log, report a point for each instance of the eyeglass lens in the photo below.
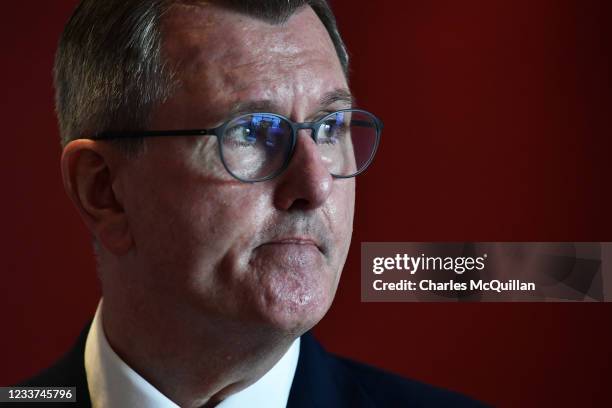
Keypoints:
(257, 146)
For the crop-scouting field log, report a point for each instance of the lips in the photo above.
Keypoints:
(290, 253)
(295, 241)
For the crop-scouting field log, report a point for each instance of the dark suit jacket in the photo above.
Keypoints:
(321, 380)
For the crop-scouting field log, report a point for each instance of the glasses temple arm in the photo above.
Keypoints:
(152, 133)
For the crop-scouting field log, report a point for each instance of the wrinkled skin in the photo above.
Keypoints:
(267, 253)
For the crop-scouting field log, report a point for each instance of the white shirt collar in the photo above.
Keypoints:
(112, 383)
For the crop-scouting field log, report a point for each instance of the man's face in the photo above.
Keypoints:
(267, 253)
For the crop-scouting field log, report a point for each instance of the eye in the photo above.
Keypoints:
(240, 136)
(332, 131)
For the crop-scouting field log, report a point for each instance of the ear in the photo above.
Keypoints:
(88, 172)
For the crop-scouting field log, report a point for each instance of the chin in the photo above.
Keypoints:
(290, 287)
(294, 313)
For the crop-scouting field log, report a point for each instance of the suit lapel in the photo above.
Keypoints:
(69, 371)
(322, 381)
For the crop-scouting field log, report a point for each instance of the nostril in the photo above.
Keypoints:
(299, 205)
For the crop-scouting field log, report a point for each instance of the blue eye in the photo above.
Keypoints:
(241, 135)
(249, 135)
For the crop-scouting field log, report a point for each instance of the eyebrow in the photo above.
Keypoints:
(338, 95)
(265, 105)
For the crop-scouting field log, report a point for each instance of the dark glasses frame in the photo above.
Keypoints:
(219, 132)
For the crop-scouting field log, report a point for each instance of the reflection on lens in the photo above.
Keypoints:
(256, 146)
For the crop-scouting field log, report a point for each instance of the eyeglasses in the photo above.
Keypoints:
(259, 146)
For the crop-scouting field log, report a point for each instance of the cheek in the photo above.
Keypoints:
(185, 222)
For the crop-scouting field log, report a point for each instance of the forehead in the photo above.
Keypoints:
(227, 58)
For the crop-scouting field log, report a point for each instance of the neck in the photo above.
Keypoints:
(193, 361)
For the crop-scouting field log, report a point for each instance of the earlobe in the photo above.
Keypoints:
(88, 175)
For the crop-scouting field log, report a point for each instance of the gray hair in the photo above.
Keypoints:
(109, 72)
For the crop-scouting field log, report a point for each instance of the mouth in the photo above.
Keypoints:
(296, 240)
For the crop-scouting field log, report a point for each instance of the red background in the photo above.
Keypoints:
(497, 128)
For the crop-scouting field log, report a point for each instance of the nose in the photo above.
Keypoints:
(306, 183)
